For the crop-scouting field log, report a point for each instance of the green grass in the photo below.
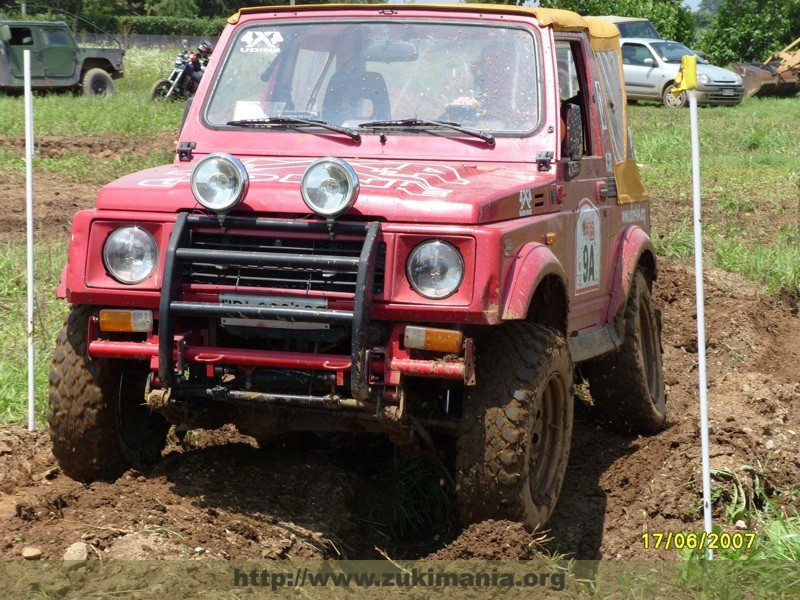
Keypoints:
(129, 112)
(425, 493)
(749, 185)
(775, 264)
(48, 313)
(674, 242)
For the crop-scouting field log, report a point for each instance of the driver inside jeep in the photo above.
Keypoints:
(488, 96)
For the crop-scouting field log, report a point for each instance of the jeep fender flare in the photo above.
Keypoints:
(634, 249)
(532, 264)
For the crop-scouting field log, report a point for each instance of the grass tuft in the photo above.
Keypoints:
(426, 496)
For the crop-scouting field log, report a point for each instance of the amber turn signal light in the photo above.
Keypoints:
(126, 320)
(437, 340)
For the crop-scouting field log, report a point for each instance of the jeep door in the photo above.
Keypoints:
(25, 38)
(584, 177)
(60, 52)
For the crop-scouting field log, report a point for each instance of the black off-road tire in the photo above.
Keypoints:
(515, 432)
(99, 425)
(627, 385)
(96, 82)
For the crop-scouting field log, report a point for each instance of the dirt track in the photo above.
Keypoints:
(232, 500)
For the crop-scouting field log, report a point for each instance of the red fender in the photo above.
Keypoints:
(532, 264)
(632, 244)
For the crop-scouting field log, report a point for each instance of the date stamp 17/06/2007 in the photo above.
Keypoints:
(698, 540)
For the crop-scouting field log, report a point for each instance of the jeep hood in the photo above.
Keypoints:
(395, 191)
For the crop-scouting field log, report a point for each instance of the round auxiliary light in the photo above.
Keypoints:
(130, 254)
(435, 269)
(220, 182)
(329, 187)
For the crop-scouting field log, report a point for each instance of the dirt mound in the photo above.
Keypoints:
(221, 497)
(492, 540)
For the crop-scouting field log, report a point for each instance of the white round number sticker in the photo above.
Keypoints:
(587, 271)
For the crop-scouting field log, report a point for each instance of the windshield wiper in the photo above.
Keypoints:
(426, 123)
(295, 122)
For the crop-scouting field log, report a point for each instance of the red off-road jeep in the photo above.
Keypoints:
(415, 220)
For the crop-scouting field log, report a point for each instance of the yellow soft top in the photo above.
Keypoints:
(560, 20)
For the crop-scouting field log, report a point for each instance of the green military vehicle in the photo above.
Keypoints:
(57, 62)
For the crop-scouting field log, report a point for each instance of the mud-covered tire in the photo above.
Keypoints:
(670, 100)
(160, 90)
(515, 432)
(96, 82)
(99, 425)
(627, 385)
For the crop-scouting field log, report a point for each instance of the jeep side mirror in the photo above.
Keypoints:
(5, 33)
(648, 62)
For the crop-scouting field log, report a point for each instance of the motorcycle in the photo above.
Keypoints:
(181, 82)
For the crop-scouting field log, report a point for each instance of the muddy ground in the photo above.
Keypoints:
(219, 496)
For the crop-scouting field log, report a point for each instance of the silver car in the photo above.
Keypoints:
(650, 67)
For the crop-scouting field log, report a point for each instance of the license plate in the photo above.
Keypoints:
(728, 92)
(272, 302)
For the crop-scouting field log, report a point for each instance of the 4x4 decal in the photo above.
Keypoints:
(261, 41)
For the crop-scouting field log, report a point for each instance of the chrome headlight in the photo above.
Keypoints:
(220, 182)
(435, 269)
(704, 79)
(329, 187)
(130, 254)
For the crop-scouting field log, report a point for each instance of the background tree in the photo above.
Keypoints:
(748, 30)
(672, 19)
(705, 14)
(176, 8)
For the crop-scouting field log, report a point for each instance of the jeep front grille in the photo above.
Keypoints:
(310, 278)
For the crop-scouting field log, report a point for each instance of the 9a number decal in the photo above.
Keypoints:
(588, 236)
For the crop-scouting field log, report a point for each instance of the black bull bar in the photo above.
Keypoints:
(178, 252)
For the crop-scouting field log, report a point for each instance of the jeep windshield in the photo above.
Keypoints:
(347, 74)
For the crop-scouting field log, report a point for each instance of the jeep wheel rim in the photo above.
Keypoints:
(547, 439)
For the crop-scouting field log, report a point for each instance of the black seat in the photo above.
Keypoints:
(356, 95)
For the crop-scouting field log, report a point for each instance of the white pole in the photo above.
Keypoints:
(701, 317)
(29, 231)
